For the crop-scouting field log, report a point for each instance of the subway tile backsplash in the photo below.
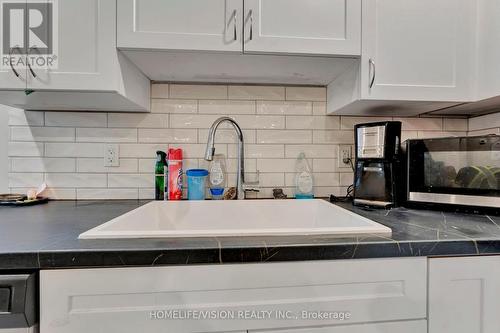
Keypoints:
(488, 124)
(66, 149)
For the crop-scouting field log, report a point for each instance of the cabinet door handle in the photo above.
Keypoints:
(251, 24)
(16, 73)
(371, 72)
(28, 62)
(235, 36)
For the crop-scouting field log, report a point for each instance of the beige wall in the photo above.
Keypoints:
(65, 149)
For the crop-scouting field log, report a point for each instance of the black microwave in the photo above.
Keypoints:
(462, 172)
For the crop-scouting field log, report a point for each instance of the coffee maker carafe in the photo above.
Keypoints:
(377, 174)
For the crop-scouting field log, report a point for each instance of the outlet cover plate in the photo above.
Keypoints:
(112, 155)
(345, 151)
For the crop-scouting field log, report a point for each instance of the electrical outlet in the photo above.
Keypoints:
(345, 156)
(112, 155)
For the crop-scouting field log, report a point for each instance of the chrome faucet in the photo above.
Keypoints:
(209, 154)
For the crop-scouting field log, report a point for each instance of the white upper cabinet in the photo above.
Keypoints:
(487, 79)
(418, 50)
(489, 49)
(417, 56)
(85, 51)
(75, 64)
(208, 25)
(12, 76)
(320, 27)
(240, 41)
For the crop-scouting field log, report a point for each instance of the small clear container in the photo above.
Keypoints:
(196, 183)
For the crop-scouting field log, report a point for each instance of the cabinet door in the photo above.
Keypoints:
(419, 326)
(323, 27)
(464, 295)
(211, 25)
(151, 299)
(85, 47)
(418, 50)
(12, 74)
(489, 49)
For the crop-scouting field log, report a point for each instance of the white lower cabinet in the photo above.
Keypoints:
(464, 295)
(350, 294)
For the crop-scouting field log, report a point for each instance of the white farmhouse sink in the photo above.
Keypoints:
(235, 218)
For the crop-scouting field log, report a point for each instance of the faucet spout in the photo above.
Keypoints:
(210, 151)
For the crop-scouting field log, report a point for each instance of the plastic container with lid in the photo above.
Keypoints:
(196, 180)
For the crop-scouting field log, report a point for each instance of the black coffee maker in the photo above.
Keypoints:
(378, 172)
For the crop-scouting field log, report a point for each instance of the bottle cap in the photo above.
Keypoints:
(175, 154)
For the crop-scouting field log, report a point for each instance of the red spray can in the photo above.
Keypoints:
(174, 174)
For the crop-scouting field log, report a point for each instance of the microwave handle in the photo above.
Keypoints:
(396, 146)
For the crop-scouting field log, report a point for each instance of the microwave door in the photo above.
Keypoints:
(455, 170)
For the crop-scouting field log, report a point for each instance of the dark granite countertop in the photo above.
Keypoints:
(46, 236)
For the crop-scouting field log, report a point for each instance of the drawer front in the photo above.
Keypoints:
(214, 298)
(417, 326)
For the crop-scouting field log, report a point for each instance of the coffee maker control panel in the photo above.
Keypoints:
(371, 142)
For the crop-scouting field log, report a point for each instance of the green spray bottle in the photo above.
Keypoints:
(160, 175)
